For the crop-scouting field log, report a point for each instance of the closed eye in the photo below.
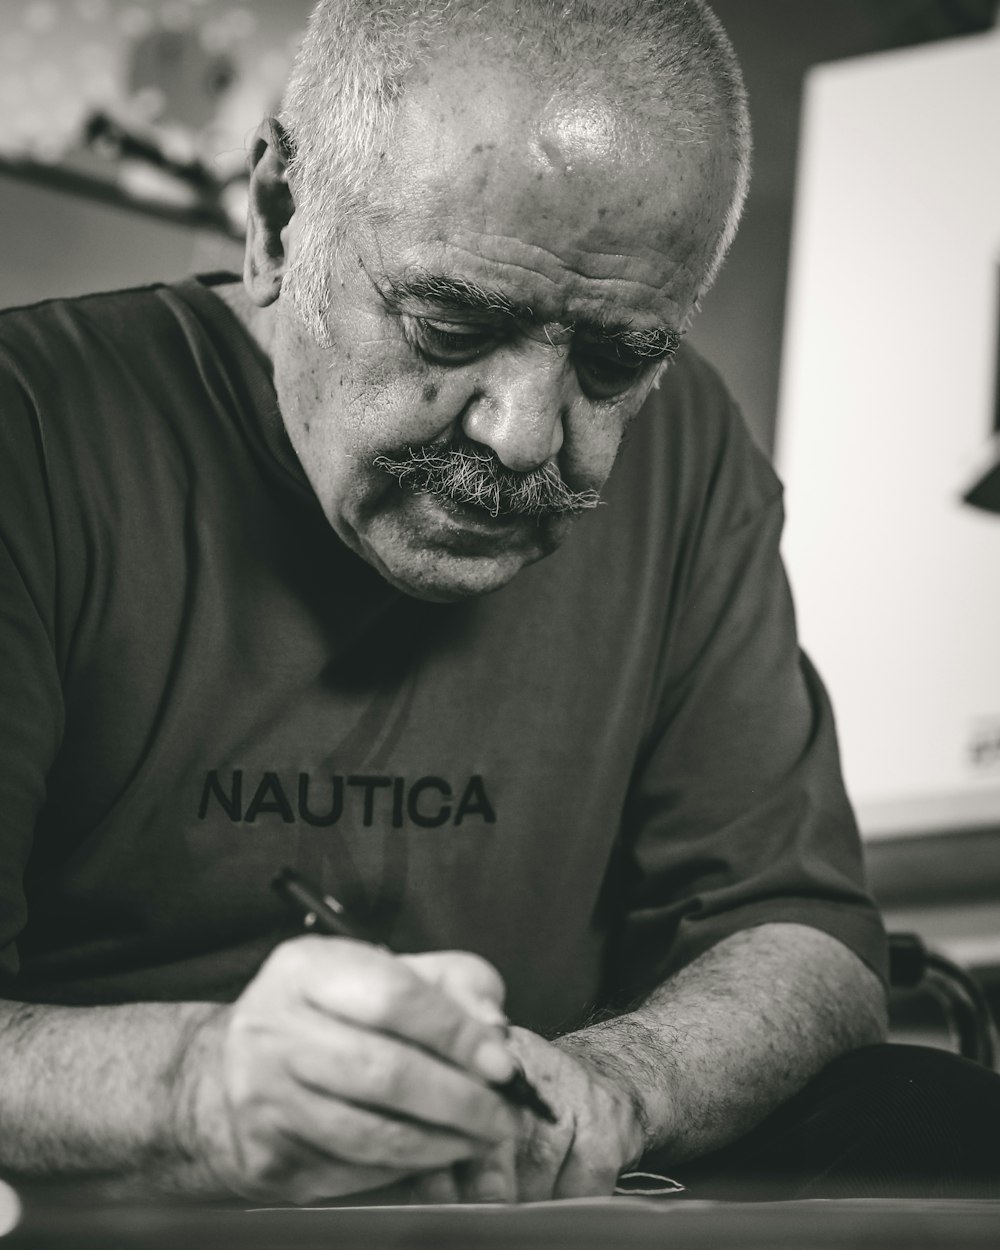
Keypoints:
(605, 371)
(605, 368)
(453, 343)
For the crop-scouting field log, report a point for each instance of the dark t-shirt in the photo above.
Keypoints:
(589, 777)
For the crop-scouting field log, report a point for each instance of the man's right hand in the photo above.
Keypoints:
(343, 1068)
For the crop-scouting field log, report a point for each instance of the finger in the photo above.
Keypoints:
(371, 987)
(491, 1177)
(373, 1070)
(583, 1177)
(438, 1188)
(540, 1160)
(467, 978)
(349, 1134)
(278, 1165)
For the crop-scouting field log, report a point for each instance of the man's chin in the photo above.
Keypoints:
(448, 578)
(442, 551)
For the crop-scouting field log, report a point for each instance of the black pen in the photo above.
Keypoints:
(322, 913)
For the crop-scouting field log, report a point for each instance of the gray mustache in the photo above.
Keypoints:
(468, 474)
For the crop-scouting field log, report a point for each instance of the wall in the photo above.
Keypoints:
(888, 396)
(188, 78)
(740, 326)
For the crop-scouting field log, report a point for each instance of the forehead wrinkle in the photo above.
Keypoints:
(576, 262)
(618, 282)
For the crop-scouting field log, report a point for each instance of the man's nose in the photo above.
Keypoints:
(521, 407)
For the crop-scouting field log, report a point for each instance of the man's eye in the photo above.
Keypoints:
(451, 343)
(604, 374)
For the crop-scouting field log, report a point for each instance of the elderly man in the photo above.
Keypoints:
(314, 569)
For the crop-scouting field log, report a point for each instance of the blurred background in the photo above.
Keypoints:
(857, 321)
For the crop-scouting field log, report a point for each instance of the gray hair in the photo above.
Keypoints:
(669, 59)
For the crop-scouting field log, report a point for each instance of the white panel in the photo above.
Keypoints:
(886, 413)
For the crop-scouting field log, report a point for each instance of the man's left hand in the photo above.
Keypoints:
(597, 1136)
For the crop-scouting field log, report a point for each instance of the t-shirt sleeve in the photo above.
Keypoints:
(31, 705)
(737, 815)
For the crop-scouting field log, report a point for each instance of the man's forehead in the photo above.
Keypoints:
(468, 97)
(553, 196)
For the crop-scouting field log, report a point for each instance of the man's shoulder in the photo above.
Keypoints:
(56, 347)
(694, 405)
(690, 448)
(101, 358)
(98, 390)
(691, 373)
(45, 321)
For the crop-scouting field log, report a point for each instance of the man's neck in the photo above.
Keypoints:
(258, 322)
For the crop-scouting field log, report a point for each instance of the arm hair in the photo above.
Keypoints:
(735, 1033)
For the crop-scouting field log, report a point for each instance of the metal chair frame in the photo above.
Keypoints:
(912, 965)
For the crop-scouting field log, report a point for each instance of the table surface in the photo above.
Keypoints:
(853, 1224)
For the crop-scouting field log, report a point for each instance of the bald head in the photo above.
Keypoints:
(666, 65)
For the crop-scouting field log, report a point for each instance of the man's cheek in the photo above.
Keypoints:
(406, 409)
(587, 458)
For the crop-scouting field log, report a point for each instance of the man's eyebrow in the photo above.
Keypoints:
(458, 293)
(464, 295)
(655, 344)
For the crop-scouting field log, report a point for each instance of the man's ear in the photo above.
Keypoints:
(269, 211)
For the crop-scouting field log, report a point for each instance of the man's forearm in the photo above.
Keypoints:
(717, 1047)
(341, 1068)
(94, 1091)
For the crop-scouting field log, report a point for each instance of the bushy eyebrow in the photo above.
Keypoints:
(651, 344)
(463, 295)
(458, 293)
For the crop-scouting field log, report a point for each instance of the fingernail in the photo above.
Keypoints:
(493, 1062)
(488, 1012)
